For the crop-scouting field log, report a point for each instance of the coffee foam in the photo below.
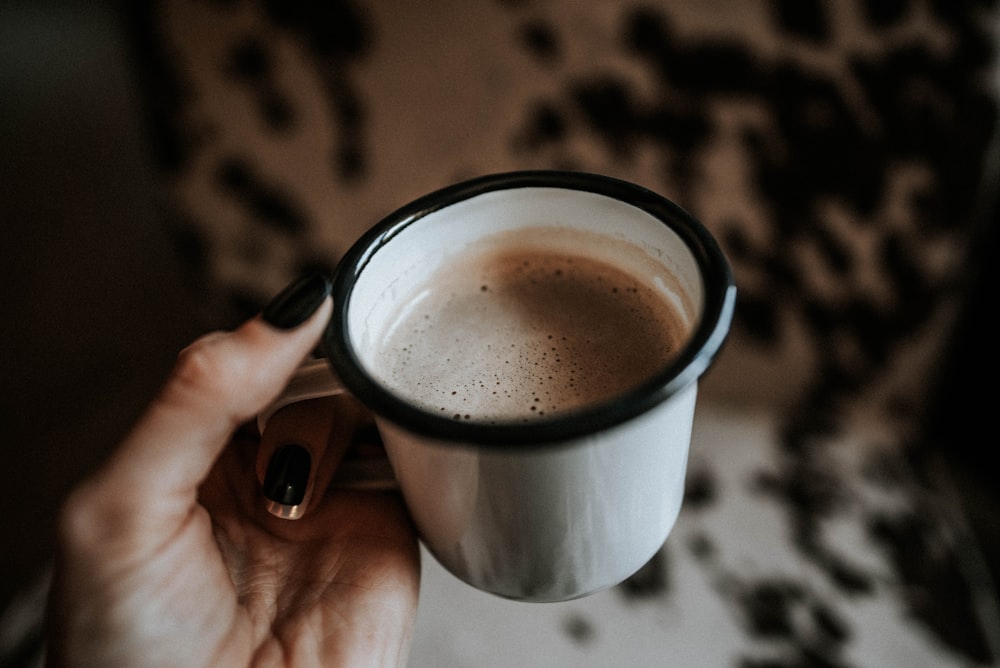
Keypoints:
(521, 331)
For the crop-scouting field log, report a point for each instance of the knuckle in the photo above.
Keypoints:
(87, 522)
(202, 370)
(74, 517)
(197, 365)
(213, 375)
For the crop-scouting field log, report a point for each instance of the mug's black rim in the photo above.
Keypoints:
(694, 359)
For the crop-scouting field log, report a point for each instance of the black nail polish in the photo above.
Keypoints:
(288, 475)
(297, 302)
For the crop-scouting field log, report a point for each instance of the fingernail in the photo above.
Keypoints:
(297, 302)
(286, 480)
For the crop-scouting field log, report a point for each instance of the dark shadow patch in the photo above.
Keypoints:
(702, 548)
(651, 581)
(700, 489)
(767, 607)
(163, 88)
(191, 246)
(276, 110)
(829, 624)
(249, 61)
(810, 492)
(805, 19)
(337, 35)
(539, 38)
(802, 629)
(579, 629)
(610, 111)
(937, 593)
(882, 14)
(266, 203)
(544, 127)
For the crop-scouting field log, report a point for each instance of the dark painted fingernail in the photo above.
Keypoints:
(286, 480)
(297, 302)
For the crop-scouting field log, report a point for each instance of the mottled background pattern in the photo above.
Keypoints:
(843, 153)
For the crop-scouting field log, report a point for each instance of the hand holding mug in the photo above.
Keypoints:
(539, 440)
(168, 555)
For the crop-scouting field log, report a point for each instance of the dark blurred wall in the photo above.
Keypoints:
(93, 309)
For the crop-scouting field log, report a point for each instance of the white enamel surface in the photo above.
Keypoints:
(549, 524)
(559, 521)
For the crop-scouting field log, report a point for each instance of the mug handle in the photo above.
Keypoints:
(315, 379)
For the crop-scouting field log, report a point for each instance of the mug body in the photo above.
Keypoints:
(549, 508)
(550, 523)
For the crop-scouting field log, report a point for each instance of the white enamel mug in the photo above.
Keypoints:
(562, 506)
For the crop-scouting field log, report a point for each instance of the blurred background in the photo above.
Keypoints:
(96, 306)
(137, 212)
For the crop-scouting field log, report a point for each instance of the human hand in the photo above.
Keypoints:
(168, 555)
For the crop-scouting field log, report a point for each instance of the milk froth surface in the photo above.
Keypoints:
(522, 333)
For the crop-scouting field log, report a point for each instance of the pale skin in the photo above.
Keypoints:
(168, 557)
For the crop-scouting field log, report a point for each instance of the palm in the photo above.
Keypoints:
(273, 592)
(314, 587)
(235, 586)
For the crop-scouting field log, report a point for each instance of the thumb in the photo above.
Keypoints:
(219, 382)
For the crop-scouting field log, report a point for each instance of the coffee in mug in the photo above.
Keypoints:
(526, 325)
